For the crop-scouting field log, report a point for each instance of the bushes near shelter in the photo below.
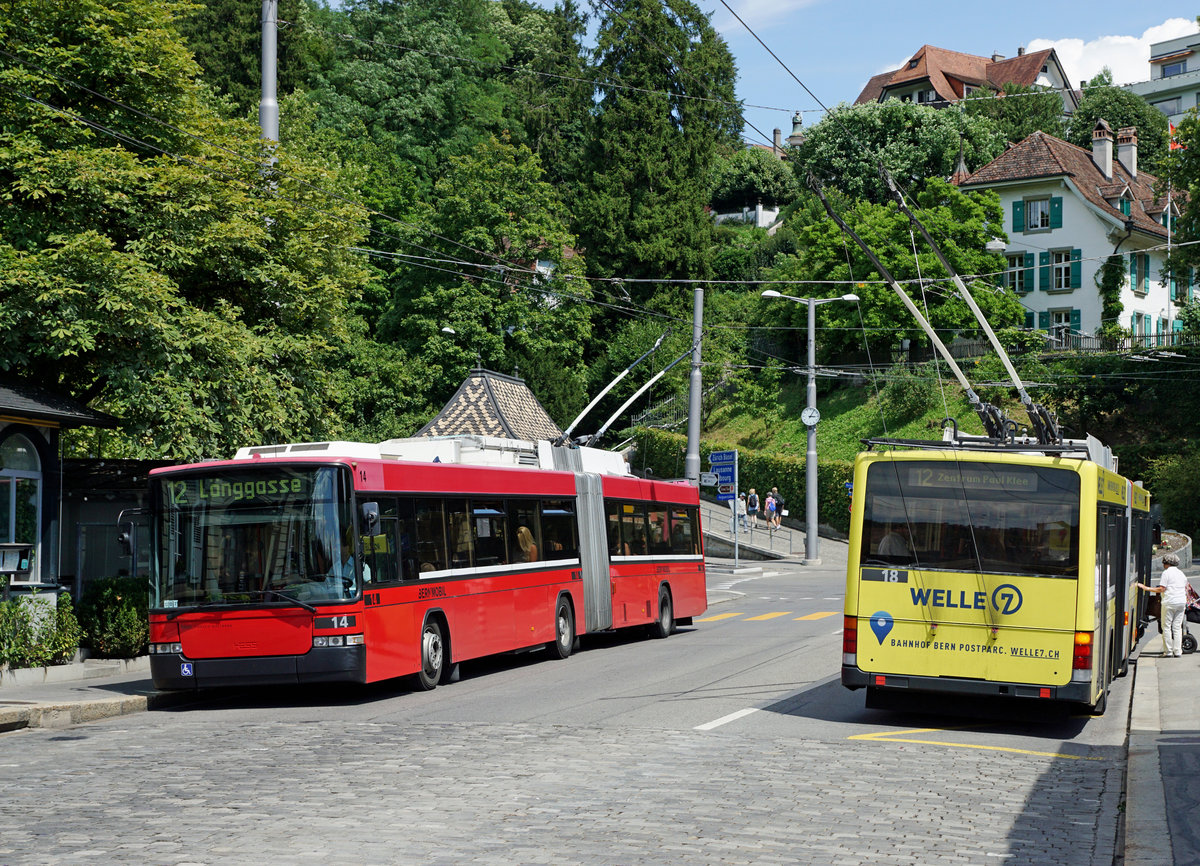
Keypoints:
(33, 635)
(114, 614)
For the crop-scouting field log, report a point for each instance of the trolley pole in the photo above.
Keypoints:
(691, 463)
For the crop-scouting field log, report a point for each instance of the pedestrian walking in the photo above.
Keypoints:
(779, 505)
(1173, 588)
(752, 508)
(769, 512)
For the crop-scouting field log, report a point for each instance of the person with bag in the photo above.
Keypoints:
(752, 508)
(769, 512)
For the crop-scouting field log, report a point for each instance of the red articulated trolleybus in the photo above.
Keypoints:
(350, 562)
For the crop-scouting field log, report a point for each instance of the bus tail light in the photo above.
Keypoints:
(850, 640)
(1082, 657)
(166, 648)
(338, 640)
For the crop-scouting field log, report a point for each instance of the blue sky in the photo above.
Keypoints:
(834, 46)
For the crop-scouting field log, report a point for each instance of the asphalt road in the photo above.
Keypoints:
(729, 742)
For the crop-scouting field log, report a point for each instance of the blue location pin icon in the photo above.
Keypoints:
(881, 624)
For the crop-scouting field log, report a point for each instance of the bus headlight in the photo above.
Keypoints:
(338, 640)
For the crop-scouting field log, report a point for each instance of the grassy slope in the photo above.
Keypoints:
(848, 415)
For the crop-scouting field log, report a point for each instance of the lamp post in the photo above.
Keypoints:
(810, 416)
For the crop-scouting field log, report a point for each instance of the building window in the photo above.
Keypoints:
(1125, 206)
(1177, 67)
(1060, 326)
(1015, 277)
(1060, 266)
(20, 492)
(1170, 107)
(912, 64)
(1037, 214)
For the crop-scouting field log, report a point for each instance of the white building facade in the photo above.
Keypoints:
(1066, 211)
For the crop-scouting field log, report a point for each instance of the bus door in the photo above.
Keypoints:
(593, 552)
(1111, 590)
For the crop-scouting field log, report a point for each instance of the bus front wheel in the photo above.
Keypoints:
(433, 656)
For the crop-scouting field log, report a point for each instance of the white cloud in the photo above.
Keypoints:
(1127, 56)
(756, 13)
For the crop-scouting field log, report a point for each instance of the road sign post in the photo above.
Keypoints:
(724, 466)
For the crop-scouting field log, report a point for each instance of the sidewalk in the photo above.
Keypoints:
(1163, 757)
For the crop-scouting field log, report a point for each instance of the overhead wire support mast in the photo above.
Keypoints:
(993, 419)
(1042, 420)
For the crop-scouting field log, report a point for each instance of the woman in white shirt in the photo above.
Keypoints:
(1173, 588)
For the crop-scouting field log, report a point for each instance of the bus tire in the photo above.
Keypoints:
(433, 656)
(564, 631)
(665, 624)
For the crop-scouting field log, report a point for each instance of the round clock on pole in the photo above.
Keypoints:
(810, 416)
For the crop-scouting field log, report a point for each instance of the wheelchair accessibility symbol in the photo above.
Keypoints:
(185, 670)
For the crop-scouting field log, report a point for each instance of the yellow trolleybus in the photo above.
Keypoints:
(992, 570)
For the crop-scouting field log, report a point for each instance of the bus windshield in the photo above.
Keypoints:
(235, 536)
(955, 515)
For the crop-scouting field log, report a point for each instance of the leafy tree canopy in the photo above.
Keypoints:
(149, 265)
(914, 142)
(1019, 110)
(749, 176)
(961, 222)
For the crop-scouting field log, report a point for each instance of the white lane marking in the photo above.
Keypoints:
(724, 720)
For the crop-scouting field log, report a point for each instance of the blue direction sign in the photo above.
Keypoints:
(724, 472)
(717, 457)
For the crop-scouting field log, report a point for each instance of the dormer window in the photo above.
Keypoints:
(1125, 206)
(912, 64)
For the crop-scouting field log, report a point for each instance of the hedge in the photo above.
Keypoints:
(664, 454)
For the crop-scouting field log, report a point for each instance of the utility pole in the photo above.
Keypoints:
(691, 463)
(268, 106)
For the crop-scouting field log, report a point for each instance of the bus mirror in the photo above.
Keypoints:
(370, 515)
(125, 537)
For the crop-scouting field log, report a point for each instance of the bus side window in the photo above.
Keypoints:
(459, 533)
(379, 550)
(431, 536)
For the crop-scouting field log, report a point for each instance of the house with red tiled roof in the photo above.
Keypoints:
(938, 77)
(1066, 211)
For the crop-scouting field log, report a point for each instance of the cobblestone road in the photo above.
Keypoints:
(192, 787)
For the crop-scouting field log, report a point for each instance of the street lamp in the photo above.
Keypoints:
(810, 416)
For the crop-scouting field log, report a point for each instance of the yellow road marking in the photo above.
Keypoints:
(819, 615)
(719, 616)
(768, 616)
(895, 737)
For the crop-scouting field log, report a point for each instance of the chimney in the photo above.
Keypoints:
(996, 58)
(777, 141)
(1127, 149)
(1020, 50)
(797, 137)
(1102, 148)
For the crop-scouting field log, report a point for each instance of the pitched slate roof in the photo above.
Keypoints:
(492, 404)
(32, 403)
(949, 71)
(1044, 156)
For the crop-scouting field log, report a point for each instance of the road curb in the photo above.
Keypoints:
(28, 714)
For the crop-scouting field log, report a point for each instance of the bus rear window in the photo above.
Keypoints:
(967, 516)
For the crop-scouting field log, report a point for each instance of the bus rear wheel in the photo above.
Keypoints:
(564, 631)
(433, 656)
(665, 624)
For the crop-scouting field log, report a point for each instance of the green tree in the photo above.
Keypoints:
(225, 37)
(915, 143)
(961, 222)
(749, 176)
(154, 270)
(1120, 108)
(650, 148)
(505, 313)
(1018, 110)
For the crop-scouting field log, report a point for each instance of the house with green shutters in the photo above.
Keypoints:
(1067, 210)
